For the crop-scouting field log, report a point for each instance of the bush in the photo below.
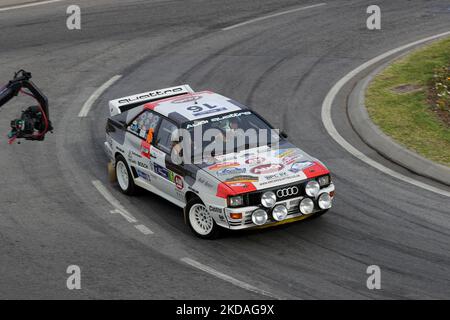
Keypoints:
(440, 88)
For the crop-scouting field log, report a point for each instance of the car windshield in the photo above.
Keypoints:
(229, 133)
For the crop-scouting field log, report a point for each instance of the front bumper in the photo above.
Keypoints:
(292, 205)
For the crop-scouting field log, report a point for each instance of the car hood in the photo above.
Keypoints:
(264, 167)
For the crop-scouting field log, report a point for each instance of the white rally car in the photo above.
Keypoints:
(255, 184)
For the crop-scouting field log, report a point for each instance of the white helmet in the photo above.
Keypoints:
(175, 136)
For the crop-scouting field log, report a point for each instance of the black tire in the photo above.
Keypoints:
(215, 230)
(131, 188)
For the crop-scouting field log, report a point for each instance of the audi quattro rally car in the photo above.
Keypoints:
(255, 184)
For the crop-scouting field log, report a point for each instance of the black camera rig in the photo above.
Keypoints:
(34, 122)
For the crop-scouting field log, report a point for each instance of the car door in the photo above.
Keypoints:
(138, 145)
(171, 180)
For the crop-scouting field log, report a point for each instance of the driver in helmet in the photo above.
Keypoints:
(177, 148)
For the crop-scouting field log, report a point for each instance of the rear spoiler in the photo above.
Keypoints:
(126, 103)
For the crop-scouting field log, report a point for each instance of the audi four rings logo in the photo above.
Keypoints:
(286, 192)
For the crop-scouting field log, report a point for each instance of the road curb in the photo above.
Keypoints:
(383, 144)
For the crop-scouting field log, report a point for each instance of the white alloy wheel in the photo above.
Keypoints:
(200, 219)
(122, 175)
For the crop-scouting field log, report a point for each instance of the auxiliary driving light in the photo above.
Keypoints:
(306, 206)
(312, 188)
(259, 217)
(268, 199)
(279, 212)
(324, 201)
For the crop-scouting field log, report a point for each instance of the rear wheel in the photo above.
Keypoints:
(200, 220)
(124, 176)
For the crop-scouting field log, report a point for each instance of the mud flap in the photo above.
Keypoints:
(185, 215)
(111, 173)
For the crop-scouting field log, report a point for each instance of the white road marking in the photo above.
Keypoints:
(34, 4)
(272, 16)
(113, 201)
(227, 278)
(97, 93)
(126, 215)
(143, 229)
(329, 126)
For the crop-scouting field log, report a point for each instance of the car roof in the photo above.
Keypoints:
(194, 106)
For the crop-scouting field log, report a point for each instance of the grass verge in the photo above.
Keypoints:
(399, 102)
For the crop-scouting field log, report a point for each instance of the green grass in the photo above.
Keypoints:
(407, 117)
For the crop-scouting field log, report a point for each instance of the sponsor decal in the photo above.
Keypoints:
(179, 194)
(154, 152)
(275, 176)
(143, 165)
(231, 115)
(190, 98)
(283, 178)
(145, 149)
(143, 175)
(130, 158)
(253, 160)
(135, 154)
(150, 95)
(241, 187)
(196, 124)
(291, 159)
(226, 158)
(228, 171)
(267, 168)
(215, 209)
(281, 153)
(179, 182)
(244, 178)
(299, 166)
(206, 183)
(237, 184)
(120, 149)
(316, 169)
(169, 175)
(211, 110)
(163, 172)
(223, 165)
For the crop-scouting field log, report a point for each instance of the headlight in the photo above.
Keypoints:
(279, 212)
(259, 217)
(324, 201)
(306, 206)
(236, 201)
(268, 199)
(312, 188)
(324, 180)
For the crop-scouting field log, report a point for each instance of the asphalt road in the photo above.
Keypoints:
(51, 216)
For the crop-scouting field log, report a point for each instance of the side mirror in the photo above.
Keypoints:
(283, 134)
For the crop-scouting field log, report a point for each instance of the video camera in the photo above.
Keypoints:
(34, 122)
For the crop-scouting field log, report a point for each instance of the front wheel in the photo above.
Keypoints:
(124, 177)
(200, 220)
